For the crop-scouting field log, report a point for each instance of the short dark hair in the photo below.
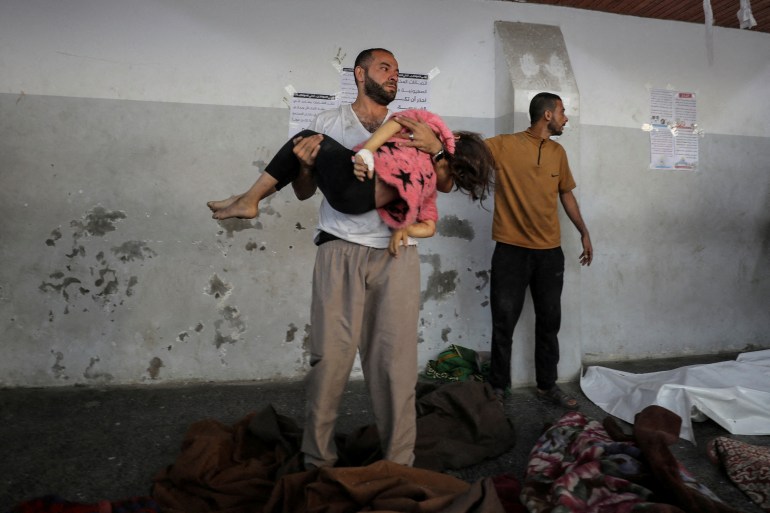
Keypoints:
(541, 103)
(472, 165)
(365, 58)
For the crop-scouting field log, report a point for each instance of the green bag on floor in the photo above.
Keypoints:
(457, 364)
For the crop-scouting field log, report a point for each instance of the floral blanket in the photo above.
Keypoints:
(576, 466)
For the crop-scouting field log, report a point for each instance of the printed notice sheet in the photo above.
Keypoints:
(305, 107)
(673, 130)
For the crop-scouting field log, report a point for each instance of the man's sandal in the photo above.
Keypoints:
(557, 396)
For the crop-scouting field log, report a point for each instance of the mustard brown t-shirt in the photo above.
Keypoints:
(531, 172)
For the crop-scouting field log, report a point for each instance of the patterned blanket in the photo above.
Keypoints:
(748, 466)
(577, 466)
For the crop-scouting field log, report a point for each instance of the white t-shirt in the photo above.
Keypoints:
(367, 229)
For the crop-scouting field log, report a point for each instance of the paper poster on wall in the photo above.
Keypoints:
(413, 90)
(673, 130)
(304, 108)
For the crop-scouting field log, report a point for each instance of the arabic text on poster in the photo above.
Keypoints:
(673, 130)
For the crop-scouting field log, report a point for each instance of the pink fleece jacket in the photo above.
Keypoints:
(411, 172)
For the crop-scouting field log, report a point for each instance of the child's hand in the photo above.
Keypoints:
(398, 238)
(363, 164)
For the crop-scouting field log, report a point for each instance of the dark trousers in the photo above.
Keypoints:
(513, 270)
(333, 175)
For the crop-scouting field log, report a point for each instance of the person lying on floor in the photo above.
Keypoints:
(401, 182)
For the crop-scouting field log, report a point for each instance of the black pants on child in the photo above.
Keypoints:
(333, 175)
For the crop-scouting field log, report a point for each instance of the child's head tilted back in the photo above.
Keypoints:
(472, 165)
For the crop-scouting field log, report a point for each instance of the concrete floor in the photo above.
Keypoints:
(89, 444)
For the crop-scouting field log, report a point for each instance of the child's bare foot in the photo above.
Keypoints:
(239, 207)
(219, 205)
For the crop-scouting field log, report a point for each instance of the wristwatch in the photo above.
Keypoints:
(438, 155)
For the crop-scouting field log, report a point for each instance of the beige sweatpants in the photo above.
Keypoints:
(363, 299)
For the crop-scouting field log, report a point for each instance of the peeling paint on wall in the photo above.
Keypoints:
(304, 360)
(231, 226)
(57, 368)
(55, 235)
(440, 284)
(91, 374)
(291, 332)
(98, 222)
(154, 369)
(218, 288)
(104, 278)
(484, 279)
(231, 318)
(453, 226)
(133, 250)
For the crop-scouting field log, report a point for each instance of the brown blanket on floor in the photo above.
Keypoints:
(254, 465)
(655, 429)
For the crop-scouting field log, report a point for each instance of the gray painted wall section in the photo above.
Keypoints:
(114, 272)
(682, 260)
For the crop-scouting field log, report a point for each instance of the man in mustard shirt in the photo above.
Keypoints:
(532, 172)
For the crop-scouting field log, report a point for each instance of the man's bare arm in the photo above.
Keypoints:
(572, 209)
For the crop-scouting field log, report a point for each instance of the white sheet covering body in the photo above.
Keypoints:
(734, 394)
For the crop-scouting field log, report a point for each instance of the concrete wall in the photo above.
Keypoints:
(119, 120)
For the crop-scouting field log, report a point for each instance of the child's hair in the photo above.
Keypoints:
(472, 165)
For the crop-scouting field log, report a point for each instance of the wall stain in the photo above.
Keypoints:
(299, 226)
(440, 284)
(453, 226)
(89, 373)
(59, 287)
(109, 279)
(199, 327)
(231, 318)
(251, 246)
(304, 359)
(98, 222)
(132, 281)
(182, 336)
(445, 334)
(154, 369)
(484, 277)
(133, 250)
(218, 288)
(106, 279)
(57, 367)
(77, 251)
(230, 226)
(291, 332)
(55, 235)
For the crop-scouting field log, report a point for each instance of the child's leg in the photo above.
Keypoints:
(281, 171)
(384, 193)
(343, 191)
(335, 178)
(246, 205)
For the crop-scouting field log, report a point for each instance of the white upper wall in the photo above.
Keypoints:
(239, 52)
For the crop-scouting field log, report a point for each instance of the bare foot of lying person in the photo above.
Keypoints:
(238, 206)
